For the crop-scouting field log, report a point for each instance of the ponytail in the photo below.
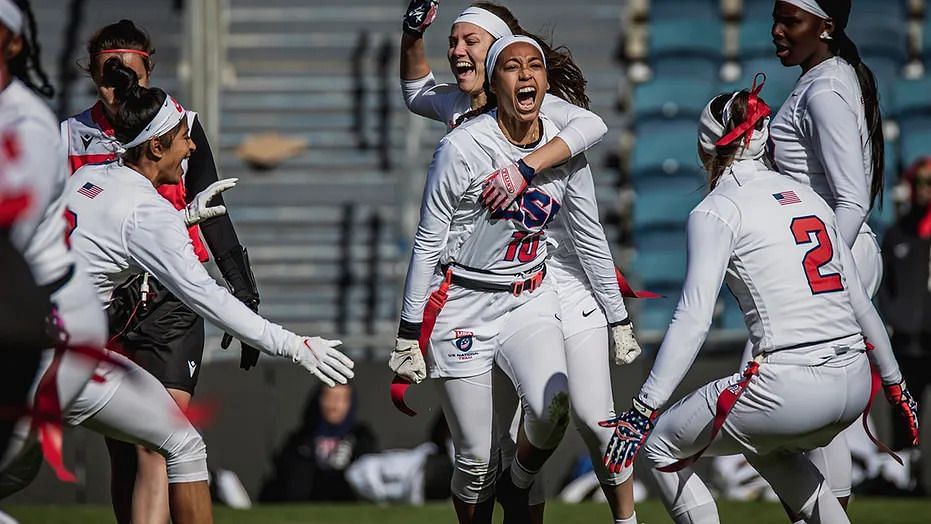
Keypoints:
(846, 49)
(137, 105)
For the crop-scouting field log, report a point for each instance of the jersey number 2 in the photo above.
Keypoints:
(816, 257)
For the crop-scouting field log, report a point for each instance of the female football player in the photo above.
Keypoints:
(584, 318)
(779, 248)
(172, 355)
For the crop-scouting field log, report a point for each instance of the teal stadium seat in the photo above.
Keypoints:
(755, 37)
(685, 37)
(672, 97)
(664, 201)
(915, 141)
(667, 145)
(730, 317)
(655, 314)
(694, 10)
(910, 96)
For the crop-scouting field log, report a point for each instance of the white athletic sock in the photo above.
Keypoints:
(521, 476)
(629, 520)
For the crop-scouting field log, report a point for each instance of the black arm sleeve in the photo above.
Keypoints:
(202, 171)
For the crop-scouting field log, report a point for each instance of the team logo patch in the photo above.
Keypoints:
(86, 139)
(463, 340)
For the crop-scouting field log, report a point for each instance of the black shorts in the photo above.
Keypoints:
(164, 336)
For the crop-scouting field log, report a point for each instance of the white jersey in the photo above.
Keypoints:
(33, 164)
(124, 227)
(456, 230)
(579, 129)
(776, 244)
(820, 138)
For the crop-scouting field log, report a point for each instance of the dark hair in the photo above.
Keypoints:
(842, 46)
(565, 77)
(121, 35)
(724, 155)
(27, 66)
(137, 106)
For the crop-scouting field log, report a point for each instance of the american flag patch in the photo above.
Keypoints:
(786, 197)
(90, 190)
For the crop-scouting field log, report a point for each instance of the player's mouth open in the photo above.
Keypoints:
(464, 68)
(525, 97)
(782, 50)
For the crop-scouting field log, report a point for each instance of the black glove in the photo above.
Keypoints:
(235, 267)
(419, 15)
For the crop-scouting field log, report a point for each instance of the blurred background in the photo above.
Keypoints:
(301, 100)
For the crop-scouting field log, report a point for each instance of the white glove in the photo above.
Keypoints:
(407, 361)
(198, 211)
(322, 359)
(623, 344)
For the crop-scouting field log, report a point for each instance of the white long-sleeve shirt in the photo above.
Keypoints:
(455, 229)
(579, 128)
(124, 227)
(33, 163)
(776, 243)
(820, 138)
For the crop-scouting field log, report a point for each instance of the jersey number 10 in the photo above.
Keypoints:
(818, 256)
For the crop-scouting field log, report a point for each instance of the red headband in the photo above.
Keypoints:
(756, 110)
(117, 51)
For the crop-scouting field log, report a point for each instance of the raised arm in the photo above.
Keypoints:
(832, 126)
(711, 237)
(157, 241)
(418, 17)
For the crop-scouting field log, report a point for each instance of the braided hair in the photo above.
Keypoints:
(27, 65)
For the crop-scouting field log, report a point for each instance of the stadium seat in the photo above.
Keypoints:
(909, 96)
(660, 268)
(879, 27)
(664, 201)
(886, 70)
(915, 141)
(758, 10)
(685, 37)
(667, 145)
(655, 314)
(685, 66)
(672, 96)
(756, 38)
(693, 10)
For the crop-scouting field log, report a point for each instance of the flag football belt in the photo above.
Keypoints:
(59, 282)
(518, 286)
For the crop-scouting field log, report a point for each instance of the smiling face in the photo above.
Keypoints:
(797, 35)
(172, 154)
(520, 82)
(105, 94)
(468, 47)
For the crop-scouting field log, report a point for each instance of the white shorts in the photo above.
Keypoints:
(579, 311)
(473, 325)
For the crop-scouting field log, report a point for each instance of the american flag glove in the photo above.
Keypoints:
(631, 429)
(902, 400)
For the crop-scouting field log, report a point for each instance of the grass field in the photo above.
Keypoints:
(867, 511)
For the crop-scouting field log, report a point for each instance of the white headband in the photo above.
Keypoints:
(499, 46)
(168, 116)
(11, 16)
(486, 20)
(809, 5)
(710, 131)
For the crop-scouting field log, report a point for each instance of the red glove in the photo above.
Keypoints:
(504, 185)
(901, 399)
